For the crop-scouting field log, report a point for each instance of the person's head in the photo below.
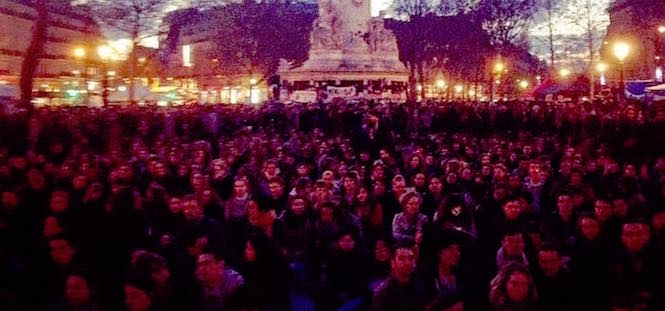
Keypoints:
(153, 265)
(51, 227)
(410, 202)
(435, 185)
(363, 195)
(346, 241)
(576, 177)
(635, 235)
(620, 207)
(138, 295)
(191, 208)
(378, 172)
(276, 187)
(549, 260)
(77, 290)
(511, 208)
(382, 251)
(175, 205)
(403, 261)
(658, 220)
(513, 242)
(350, 181)
(298, 205)
(414, 161)
(62, 252)
(271, 168)
(418, 180)
(451, 178)
(209, 270)
(399, 185)
(240, 187)
(514, 181)
(564, 204)
(589, 226)
(328, 177)
(499, 192)
(603, 210)
(327, 212)
(59, 201)
(449, 255)
(513, 282)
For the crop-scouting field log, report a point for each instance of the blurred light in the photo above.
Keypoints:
(659, 74)
(79, 52)
(419, 87)
(255, 95)
(252, 81)
(497, 81)
(440, 83)
(603, 80)
(621, 50)
(122, 88)
(111, 73)
(72, 93)
(661, 29)
(459, 88)
(92, 85)
(3, 82)
(564, 73)
(141, 59)
(472, 92)
(162, 103)
(104, 52)
(76, 72)
(524, 84)
(499, 67)
(187, 55)
(602, 67)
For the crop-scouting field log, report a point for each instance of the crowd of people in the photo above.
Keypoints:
(518, 205)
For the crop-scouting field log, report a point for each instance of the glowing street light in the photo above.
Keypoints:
(661, 29)
(524, 84)
(79, 52)
(564, 73)
(440, 83)
(459, 88)
(601, 67)
(252, 81)
(621, 50)
(104, 52)
(499, 67)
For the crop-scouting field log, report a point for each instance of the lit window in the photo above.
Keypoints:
(187, 55)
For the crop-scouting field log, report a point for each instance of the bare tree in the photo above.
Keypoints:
(506, 20)
(590, 18)
(414, 12)
(34, 53)
(551, 10)
(454, 7)
(136, 18)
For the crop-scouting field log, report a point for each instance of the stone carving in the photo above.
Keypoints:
(380, 38)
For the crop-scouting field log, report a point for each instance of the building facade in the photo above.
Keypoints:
(70, 29)
(636, 23)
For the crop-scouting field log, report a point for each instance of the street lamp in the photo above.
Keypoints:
(524, 84)
(499, 68)
(564, 73)
(602, 68)
(661, 29)
(79, 53)
(104, 52)
(621, 50)
(440, 85)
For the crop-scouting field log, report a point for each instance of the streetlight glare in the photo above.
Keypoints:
(602, 67)
(499, 67)
(564, 73)
(104, 52)
(661, 29)
(459, 88)
(440, 83)
(79, 52)
(524, 84)
(621, 50)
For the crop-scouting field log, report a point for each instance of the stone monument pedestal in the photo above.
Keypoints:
(349, 48)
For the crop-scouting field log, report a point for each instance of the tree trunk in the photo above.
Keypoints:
(590, 29)
(421, 79)
(33, 54)
(550, 25)
(132, 72)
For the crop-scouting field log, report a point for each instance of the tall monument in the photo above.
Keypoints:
(348, 44)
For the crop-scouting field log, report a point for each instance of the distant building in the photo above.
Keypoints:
(636, 23)
(69, 28)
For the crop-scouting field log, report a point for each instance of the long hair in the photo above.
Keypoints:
(499, 296)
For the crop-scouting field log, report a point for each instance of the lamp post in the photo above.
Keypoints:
(621, 50)
(80, 55)
(440, 85)
(104, 53)
(499, 67)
